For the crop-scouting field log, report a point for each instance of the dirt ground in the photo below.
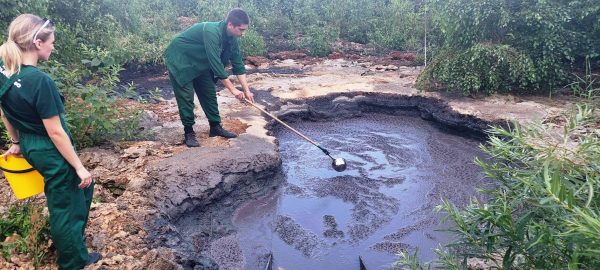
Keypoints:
(141, 184)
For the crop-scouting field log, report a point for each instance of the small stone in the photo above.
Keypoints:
(121, 234)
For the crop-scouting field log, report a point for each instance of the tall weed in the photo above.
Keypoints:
(545, 211)
(25, 229)
(586, 86)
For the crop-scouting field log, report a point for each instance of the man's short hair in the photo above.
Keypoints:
(237, 17)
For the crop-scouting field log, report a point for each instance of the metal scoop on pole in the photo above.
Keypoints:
(338, 164)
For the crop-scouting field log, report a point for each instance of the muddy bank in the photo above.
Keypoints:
(337, 105)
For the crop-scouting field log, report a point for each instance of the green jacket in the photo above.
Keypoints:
(203, 47)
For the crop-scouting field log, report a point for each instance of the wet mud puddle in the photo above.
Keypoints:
(399, 168)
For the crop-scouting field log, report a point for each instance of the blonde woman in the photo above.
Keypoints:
(32, 111)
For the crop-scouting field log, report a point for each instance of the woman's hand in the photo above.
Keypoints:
(14, 150)
(85, 176)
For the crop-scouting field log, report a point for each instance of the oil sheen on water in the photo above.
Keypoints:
(399, 169)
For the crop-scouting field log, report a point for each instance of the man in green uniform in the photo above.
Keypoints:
(196, 59)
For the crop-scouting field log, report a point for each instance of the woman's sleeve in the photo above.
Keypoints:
(47, 100)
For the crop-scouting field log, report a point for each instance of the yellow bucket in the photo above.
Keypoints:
(24, 180)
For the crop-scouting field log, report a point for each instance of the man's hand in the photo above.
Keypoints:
(249, 96)
(238, 94)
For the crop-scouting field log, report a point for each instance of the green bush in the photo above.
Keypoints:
(11, 9)
(400, 27)
(131, 31)
(253, 44)
(214, 10)
(483, 68)
(552, 35)
(387, 24)
(391, 38)
(137, 31)
(544, 212)
(319, 39)
(28, 230)
(91, 106)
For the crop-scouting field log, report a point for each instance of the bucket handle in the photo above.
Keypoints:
(19, 171)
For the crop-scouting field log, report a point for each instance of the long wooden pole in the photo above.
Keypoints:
(289, 127)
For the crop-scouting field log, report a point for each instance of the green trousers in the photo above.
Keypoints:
(68, 205)
(204, 87)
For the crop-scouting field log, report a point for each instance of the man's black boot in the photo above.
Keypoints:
(218, 130)
(189, 138)
(93, 258)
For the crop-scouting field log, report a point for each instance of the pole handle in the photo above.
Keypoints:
(286, 125)
(291, 128)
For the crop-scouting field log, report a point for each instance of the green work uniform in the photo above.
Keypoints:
(29, 100)
(196, 59)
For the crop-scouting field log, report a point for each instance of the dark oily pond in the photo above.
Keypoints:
(399, 169)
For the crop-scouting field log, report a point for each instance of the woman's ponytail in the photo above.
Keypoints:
(11, 57)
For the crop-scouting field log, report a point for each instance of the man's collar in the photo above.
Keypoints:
(223, 26)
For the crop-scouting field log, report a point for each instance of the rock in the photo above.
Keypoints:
(98, 240)
(149, 119)
(384, 68)
(405, 56)
(115, 260)
(481, 264)
(99, 158)
(335, 55)
(120, 234)
(160, 259)
(405, 74)
(256, 60)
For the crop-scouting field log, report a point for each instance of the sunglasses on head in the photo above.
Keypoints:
(46, 23)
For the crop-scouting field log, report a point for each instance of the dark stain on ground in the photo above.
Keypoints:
(266, 99)
(332, 228)
(149, 81)
(276, 71)
(152, 81)
(297, 236)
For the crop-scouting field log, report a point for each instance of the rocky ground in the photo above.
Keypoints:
(143, 186)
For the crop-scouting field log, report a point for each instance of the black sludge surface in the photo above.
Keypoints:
(399, 169)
